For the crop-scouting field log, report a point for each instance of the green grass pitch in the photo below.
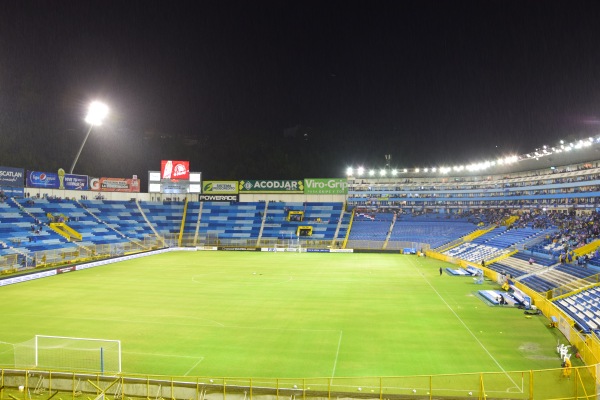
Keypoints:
(253, 314)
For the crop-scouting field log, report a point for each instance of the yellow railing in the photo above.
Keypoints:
(185, 205)
(348, 231)
(588, 248)
(553, 384)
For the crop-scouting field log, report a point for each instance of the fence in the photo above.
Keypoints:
(576, 383)
(13, 263)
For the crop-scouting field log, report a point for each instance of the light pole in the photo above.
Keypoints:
(96, 114)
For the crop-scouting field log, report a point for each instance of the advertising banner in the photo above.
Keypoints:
(115, 185)
(53, 180)
(220, 187)
(14, 177)
(325, 186)
(48, 180)
(271, 186)
(170, 169)
(219, 197)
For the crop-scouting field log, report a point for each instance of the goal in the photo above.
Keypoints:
(70, 353)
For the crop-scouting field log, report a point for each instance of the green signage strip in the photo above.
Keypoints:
(220, 187)
(271, 186)
(325, 186)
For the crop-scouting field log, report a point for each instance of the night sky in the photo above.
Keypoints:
(282, 89)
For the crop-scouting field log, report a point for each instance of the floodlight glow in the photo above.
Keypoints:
(360, 171)
(416, 170)
(426, 170)
(349, 171)
(371, 172)
(394, 172)
(96, 113)
(405, 170)
(382, 172)
(433, 169)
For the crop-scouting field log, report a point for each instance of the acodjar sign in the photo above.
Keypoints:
(271, 186)
(325, 186)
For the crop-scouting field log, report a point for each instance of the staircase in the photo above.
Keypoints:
(65, 231)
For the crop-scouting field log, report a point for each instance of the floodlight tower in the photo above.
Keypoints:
(96, 114)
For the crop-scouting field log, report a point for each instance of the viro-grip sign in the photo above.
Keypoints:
(325, 186)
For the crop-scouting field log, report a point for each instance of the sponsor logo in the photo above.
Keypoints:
(272, 186)
(218, 197)
(230, 187)
(179, 170)
(12, 175)
(325, 186)
(317, 250)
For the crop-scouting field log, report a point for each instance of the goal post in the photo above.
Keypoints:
(70, 353)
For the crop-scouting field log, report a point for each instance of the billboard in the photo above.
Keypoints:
(219, 197)
(56, 180)
(325, 186)
(170, 169)
(13, 177)
(271, 186)
(131, 185)
(220, 187)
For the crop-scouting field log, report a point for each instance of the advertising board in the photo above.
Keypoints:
(56, 180)
(13, 177)
(171, 169)
(131, 185)
(325, 186)
(271, 186)
(219, 197)
(220, 187)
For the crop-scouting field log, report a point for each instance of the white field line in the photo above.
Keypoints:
(467, 328)
(193, 366)
(337, 353)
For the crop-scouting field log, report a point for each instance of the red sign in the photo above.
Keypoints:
(170, 169)
(115, 185)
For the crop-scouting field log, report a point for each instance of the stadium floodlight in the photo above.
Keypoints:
(360, 171)
(371, 172)
(382, 172)
(97, 111)
(349, 171)
(394, 172)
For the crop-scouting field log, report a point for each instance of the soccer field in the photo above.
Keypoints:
(253, 314)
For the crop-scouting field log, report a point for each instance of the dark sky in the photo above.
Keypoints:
(282, 89)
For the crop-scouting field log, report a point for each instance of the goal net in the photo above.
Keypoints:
(69, 353)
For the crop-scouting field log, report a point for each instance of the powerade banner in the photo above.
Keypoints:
(170, 169)
(271, 186)
(325, 186)
(13, 177)
(53, 180)
(219, 197)
(220, 187)
(115, 185)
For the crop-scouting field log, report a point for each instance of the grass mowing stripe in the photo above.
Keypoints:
(468, 329)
